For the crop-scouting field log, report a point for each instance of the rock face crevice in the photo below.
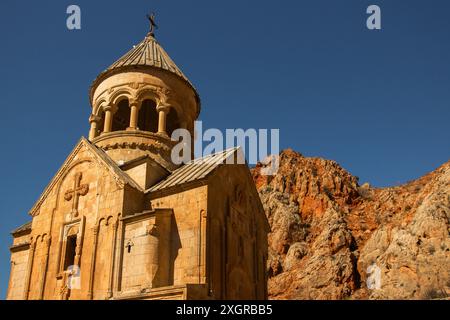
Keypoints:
(334, 239)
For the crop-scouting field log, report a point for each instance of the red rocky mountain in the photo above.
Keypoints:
(332, 238)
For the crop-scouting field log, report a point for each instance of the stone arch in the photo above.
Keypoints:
(99, 222)
(101, 121)
(99, 106)
(105, 221)
(38, 238)
(121, 118)
(148, 94)
(39, 257)
(72, 230)
(102, 260)
(119, 95)
(108, 220)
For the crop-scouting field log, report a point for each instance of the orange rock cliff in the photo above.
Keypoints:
(329, 234)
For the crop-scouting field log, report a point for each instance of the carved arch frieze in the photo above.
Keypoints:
(131, 91)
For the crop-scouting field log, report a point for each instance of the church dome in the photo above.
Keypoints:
(148, 54)
(139, 101)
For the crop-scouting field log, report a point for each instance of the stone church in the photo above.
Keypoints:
(120, 220)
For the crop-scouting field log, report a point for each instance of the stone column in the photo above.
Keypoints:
(108, 119)
(78, 251)
(29, 269)
(202, 242)
(93, 260)
(112, 258)
(93, 119)
(48, 242)
(163, 110)
(134, 115)
(118, 256)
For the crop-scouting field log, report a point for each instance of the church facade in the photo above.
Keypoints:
(120, 220)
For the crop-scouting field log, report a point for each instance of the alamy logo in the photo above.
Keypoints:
(374, 20)
(74, 277)
(254, 145)
(73, 21)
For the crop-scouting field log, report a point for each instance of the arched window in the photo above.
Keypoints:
(101, 122)
(121, 119)
(172, 121)
(148, 117)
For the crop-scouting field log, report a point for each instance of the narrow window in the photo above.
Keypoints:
(148, 117)
(71, 244)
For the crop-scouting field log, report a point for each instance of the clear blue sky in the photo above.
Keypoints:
(377, 102)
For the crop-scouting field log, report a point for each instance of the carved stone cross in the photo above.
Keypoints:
(75, 193)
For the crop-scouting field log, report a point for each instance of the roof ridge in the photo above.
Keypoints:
(224, 151)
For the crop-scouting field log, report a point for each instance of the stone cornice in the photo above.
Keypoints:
(153, 137)
(20, 247)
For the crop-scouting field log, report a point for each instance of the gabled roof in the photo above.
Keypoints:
(196, 169)
(101, 155)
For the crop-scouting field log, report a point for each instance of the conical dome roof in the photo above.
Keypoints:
(148, 53)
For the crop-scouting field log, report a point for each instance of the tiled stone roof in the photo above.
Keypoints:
(196, 169)
(148, 53)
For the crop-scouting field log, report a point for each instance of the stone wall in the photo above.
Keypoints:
(186, 245)
(238, 235)
(19, 262)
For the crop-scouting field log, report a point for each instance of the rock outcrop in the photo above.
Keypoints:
(334, 239)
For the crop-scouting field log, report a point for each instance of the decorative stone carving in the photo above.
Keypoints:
(75, 193)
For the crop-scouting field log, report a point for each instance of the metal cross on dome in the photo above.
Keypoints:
(153, 25)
